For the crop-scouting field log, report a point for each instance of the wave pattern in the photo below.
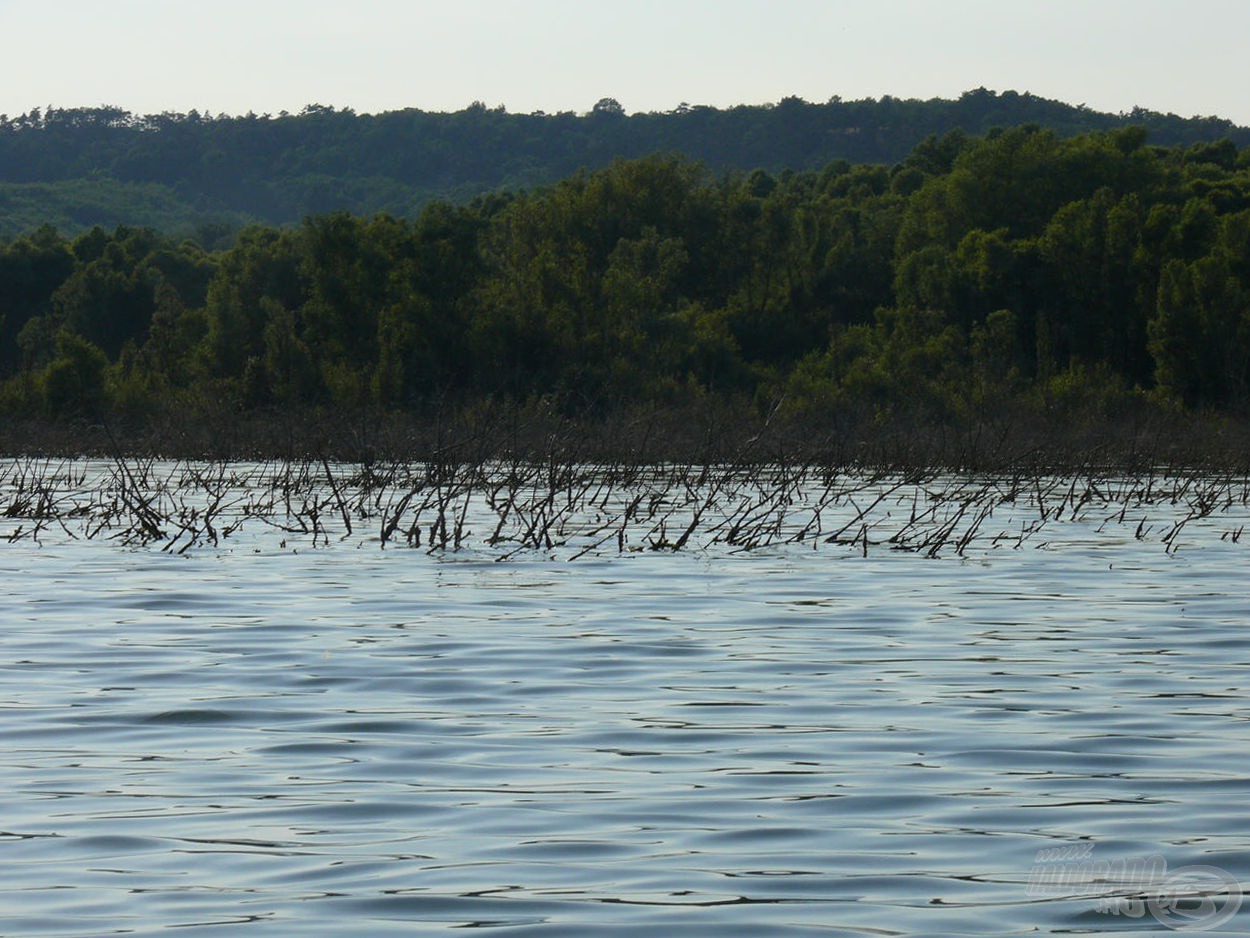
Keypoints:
(781, 741)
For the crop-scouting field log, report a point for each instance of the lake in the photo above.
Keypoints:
(304, 735)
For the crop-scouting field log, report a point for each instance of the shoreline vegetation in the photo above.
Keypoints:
(987, 302)
(556, 492)
(715, 433)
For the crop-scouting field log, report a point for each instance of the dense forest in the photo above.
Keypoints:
(209, 175)
(1015, 270)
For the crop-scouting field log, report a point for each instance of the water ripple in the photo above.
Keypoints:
(786, 743)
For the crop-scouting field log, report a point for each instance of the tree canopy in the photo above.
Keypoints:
(205, 175)
(1020, 267)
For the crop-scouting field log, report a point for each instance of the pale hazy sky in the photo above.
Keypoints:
(269, 55)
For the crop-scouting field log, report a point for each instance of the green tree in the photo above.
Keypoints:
(73, 384)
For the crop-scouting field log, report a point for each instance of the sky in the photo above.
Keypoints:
(266, 56)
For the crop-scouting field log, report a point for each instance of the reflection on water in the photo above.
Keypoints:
(780, 742)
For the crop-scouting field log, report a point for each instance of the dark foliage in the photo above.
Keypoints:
(1089, 278)
(180, 172)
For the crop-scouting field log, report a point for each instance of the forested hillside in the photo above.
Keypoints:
(1017, 270)
(76, 168)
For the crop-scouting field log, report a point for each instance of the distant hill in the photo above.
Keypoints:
(76, 168)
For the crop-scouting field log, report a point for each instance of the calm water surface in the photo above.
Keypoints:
(362, 741)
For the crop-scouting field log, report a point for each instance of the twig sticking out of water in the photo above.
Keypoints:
(461, 497)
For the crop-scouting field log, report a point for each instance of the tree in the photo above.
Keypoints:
(608, 107)
(73, 384)
(1200, 333)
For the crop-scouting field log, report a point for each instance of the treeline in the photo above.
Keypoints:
(212, 174)
(1016, 270)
